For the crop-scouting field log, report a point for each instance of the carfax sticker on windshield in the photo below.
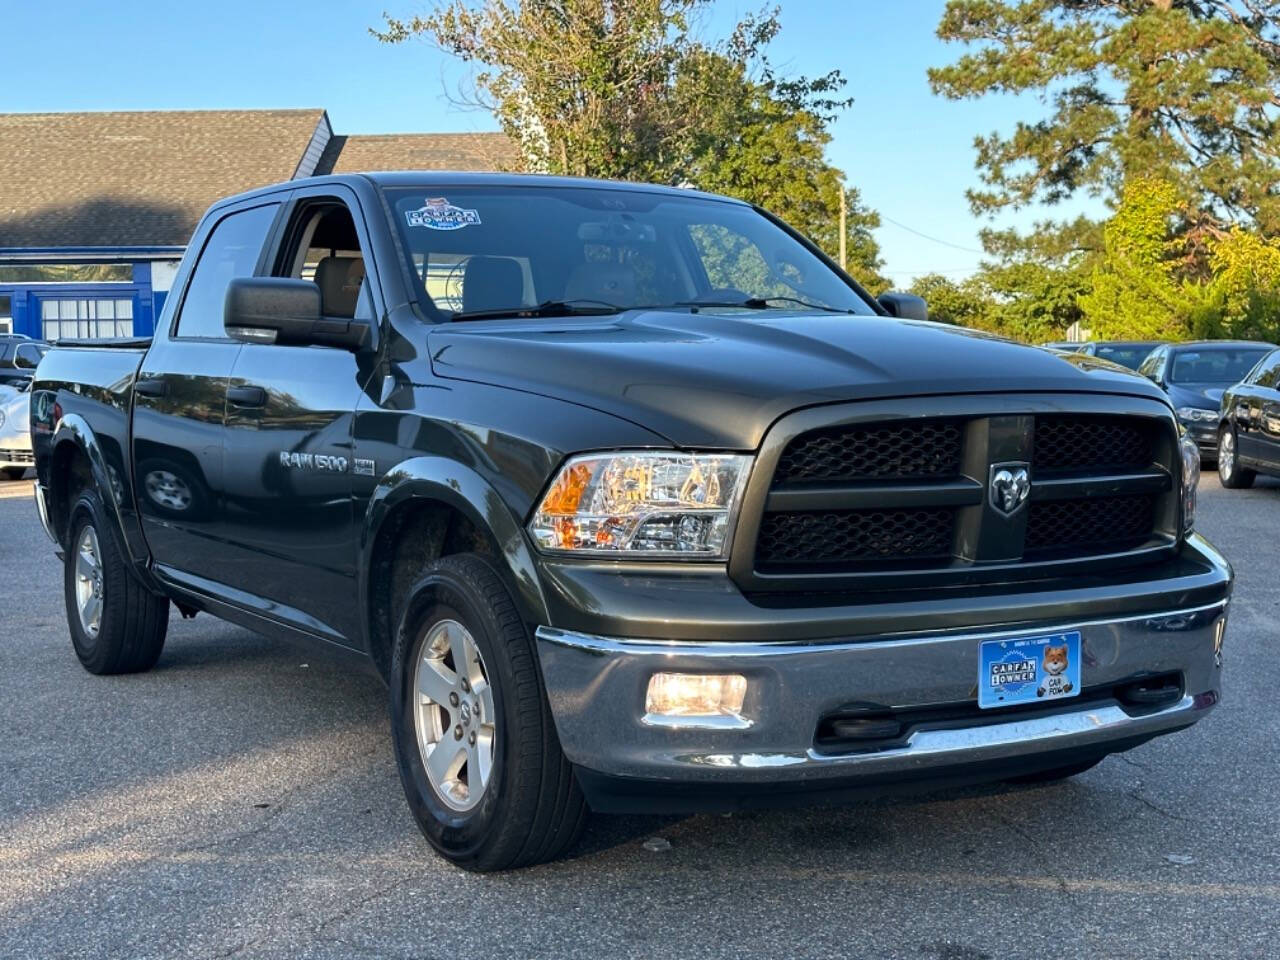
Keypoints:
(437, 213)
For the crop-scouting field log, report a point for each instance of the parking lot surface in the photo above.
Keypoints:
(241, 800)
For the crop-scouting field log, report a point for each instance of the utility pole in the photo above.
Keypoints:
(844, 265)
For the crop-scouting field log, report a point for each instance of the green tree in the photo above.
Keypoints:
(624, 89)
(1181, 90)
(1135, 290)
(964, 304)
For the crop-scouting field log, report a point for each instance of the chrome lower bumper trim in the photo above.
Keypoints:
(596, 686)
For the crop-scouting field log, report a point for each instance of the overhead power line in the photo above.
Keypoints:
(925, 236)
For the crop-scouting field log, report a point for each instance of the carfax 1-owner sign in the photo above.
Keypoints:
(1029, 669)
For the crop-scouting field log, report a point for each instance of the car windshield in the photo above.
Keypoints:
(494, 251)
(1128, 355)
(1220, 365)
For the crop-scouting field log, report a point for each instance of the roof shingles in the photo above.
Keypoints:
(130, 179)
(136, 178)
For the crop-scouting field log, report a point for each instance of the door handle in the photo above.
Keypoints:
(247, 396)
(151, 387)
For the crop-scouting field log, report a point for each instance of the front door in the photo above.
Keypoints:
(289, 518)
(180, 405)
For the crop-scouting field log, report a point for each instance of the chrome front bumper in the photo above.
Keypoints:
(597, 690)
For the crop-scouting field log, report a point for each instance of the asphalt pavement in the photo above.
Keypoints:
(241, 800)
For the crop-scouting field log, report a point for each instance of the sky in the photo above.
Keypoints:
(908, 151)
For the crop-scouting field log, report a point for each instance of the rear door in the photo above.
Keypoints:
(290, 522)
(180, 400)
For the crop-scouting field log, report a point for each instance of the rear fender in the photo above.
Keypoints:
(109, 480)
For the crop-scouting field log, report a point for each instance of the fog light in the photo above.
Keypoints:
(695, 695)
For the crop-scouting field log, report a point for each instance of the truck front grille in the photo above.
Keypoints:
(851, 536)
(882, 451)
(911, 495)
(1064, 444)
(1089, 522)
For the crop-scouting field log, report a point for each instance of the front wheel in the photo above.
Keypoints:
(1230, 473)
(475, 742)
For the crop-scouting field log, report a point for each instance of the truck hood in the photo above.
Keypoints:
(719, 379)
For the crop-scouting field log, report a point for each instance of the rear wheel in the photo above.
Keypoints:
(475, 742)
(117, 625)
(1230, 473)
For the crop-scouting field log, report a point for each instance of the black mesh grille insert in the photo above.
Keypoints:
(1066, 444)
(918, 450)
(851, 536)
(1089, 522)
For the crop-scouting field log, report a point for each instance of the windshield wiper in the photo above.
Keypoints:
(547, 308)
(761, 303)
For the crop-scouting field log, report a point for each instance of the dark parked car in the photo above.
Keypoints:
(1249, 432)
(19, 357)
(1066, 346)
(1127, 353)
(636, 501)
(1195, 375)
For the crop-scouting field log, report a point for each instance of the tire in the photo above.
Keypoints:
(1054, 774)
(1230, 473)
(530, 809)
(13, 473)
(128, 632)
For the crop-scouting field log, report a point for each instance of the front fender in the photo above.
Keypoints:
(458, 486)
(109, 474)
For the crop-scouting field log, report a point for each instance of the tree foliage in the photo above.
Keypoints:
(1148, 286)
(627, 90)
(1180, 90)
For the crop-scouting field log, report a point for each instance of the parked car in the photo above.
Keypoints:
(635, 499)
(16, 457)
(1249, 427)
(1127, 353)
(1195, 375)
(1067, 346)
(19, 357)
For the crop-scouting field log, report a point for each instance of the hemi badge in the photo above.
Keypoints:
(363, 468)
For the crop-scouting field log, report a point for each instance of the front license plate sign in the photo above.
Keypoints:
(1029, 670)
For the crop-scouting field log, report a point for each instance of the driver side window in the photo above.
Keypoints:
(324, 248)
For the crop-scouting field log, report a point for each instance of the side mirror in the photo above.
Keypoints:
(286, 311)
(907, 306)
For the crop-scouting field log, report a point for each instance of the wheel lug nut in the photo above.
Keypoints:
(472, 738)
(453, 699)
(457, 732)
(466, 685)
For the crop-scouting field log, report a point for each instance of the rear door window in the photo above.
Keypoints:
(232, 250)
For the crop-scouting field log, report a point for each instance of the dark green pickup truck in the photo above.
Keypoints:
(636, 501)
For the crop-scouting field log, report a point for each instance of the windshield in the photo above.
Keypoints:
(494, 250)
(1214, 366)
(1128, 355)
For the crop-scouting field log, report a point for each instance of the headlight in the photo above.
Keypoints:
(642, 504)
(1190, 479)
(1196, 414)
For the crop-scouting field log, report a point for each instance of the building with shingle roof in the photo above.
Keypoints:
(96, 208)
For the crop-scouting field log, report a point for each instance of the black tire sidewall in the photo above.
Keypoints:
(462, 836)
(94, 652)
